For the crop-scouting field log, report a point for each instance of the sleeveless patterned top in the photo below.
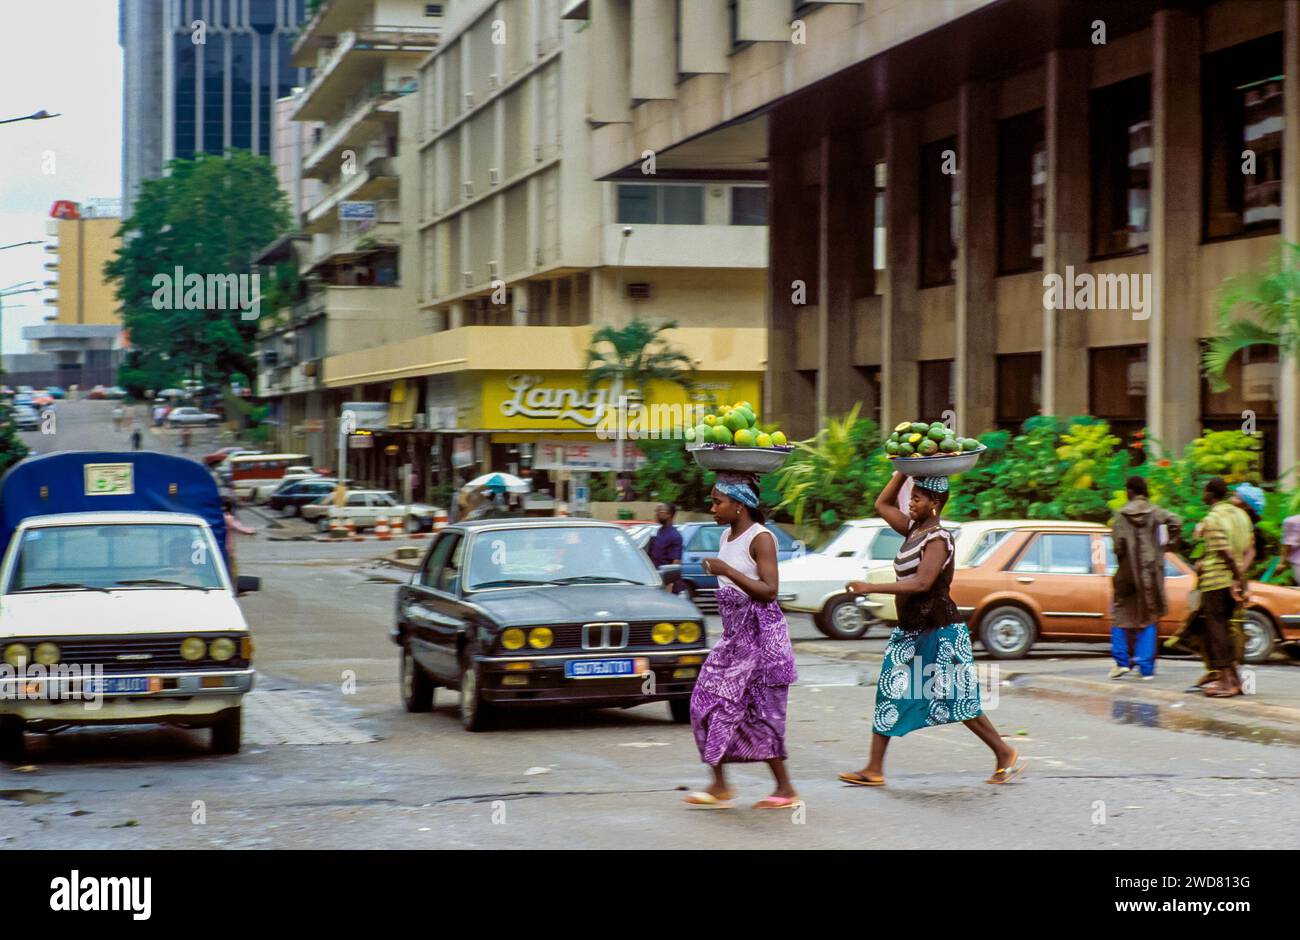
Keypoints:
(931, 609)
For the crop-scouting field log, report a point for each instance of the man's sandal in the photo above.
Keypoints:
(1006, 774)
(859, 779)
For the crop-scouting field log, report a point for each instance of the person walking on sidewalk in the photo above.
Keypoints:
(1221, 580)
(928, 674)
(1141, 533)
(233, 525)
(666, 546)
(738, 707)
(135, 439)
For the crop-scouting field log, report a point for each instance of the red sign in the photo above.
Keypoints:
(65, 209)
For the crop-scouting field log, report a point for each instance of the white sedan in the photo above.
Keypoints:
(189, 417)
(814, 583)
(364, 507)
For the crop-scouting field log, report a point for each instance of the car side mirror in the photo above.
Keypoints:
(247, 582)
(669, 573)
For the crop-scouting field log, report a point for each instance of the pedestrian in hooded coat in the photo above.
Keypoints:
(1138, 585)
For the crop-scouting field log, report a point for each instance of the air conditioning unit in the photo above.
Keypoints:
(468, 187)
(492, 269)
(469, 99)
(540, 258)
(537, 152)
(638, 291)
(493, 81)
(469, 278)
(494, 175)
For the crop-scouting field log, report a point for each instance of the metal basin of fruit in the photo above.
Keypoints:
(740, 459)
(940, 465)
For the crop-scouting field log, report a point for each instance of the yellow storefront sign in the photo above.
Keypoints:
(541, 401)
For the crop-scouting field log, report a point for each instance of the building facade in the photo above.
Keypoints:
(999, 208)
(523, 255)
(201, 76)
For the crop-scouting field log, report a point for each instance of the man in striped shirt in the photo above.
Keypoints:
(1221, 578)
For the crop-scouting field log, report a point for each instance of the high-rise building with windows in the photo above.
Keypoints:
(202, 76)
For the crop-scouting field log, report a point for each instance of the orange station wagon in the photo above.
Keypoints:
(1051, 581)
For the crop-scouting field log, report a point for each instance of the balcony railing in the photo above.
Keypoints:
(373, 93)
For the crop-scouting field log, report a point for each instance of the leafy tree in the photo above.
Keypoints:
(206, 217)
(670, 474)
(12, 449)
(1273, 296)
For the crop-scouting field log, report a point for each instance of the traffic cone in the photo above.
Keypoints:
(352, 530)
(337, 529)
(382, 531)
(439, 520)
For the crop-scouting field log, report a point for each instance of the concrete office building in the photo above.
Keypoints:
(358, 154)
(931, 165)
(523, 254)
(207, 89)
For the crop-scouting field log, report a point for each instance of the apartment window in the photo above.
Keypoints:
(939, 202)
(878, 230)
(938, 383)
(1252, 376)
(665, 205)
(1117, 388)
(433, 9)
(1243, 122)
(1121, 167)
(1019, 385)
(1022, 193)
(749, 205)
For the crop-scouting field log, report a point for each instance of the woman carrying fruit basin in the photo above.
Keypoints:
(928, 673)
(738, 707)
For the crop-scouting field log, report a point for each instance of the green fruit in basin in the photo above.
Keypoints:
(721, 434)
(745, 438)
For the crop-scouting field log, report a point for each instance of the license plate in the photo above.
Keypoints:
(123, 685)
(605, 668)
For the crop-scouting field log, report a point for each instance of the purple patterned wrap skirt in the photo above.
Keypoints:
(738, 706)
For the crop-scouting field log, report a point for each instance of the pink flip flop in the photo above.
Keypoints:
(778, 802)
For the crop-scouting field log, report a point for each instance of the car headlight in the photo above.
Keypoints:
(222, 648)
(47, 654)
(17, 655)
(193, 648)
(513, 639)
(688, 632)
(539, 638)
(663, 633)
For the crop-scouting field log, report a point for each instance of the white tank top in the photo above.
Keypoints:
(736, 553)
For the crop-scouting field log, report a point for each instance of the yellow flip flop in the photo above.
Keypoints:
(859, 779)
(704, 800)
(1005, 775)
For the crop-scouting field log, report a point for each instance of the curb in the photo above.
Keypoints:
(371, 538)
(1056, 682)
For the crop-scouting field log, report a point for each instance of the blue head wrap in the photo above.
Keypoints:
(1252, 496)
(741, 487)
(933, 484)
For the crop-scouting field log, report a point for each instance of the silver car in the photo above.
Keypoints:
(26, 418)
(189, 417)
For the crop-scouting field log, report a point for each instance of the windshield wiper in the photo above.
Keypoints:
(504, 582)
(595, 577)
(181, 584)
(61, 586)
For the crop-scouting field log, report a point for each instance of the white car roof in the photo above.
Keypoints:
(111, 518)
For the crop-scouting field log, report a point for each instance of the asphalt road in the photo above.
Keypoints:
(331, 760)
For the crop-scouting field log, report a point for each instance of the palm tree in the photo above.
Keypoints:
(633, 356)
(1273, 296)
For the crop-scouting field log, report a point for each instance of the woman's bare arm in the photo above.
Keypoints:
(887, 504)
(933, 559)
(763, 551)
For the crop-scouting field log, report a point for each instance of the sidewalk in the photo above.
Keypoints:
(1276, 697)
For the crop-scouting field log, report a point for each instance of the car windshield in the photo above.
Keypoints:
(848, 541)
(556, 554)
(117, 557)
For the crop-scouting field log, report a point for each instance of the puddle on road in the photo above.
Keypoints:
(28, 797)
(1150, 715)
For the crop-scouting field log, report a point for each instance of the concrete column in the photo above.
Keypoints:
(1288, 424)
(976, 315)
(1173, 370)
(654, 49)
(705, 37)
(788, 396)
(899, 342)
(840, 222)
(611, 30)
(1065, 350)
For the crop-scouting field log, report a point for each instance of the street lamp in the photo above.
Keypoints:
(41, 115)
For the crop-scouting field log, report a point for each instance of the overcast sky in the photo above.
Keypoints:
(61, 56)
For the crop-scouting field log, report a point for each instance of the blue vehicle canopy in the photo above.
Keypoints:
(103, 481)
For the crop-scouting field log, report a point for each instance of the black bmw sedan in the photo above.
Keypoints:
(534, 612)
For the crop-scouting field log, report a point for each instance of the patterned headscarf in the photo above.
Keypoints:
(933, 484)
(742, 487)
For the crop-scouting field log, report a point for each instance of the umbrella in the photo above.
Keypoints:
(503, 482)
